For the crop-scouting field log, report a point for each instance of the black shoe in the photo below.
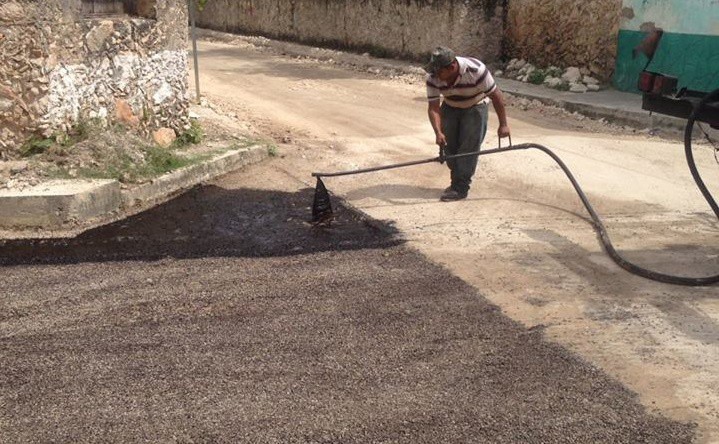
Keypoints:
(451, 195)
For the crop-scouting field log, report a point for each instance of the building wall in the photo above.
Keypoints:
(61, 67)
(689, 48)
(565, 33)
(408, 28)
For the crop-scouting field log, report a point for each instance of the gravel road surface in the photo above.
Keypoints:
(222, 316)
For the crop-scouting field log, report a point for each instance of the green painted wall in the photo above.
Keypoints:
(689, 48)
(694, 59)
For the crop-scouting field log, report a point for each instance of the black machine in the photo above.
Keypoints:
(660, 95)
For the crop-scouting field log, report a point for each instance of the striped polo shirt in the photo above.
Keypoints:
(472, 86)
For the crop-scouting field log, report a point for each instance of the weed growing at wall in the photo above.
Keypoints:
(158, 161)
(36, 145)
(145, 162)
(117, 152)
(59, 142)
(194, 135)
(537, 76)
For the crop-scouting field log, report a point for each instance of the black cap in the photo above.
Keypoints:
(441, 56)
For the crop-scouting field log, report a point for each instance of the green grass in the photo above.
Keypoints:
(537, 76)
(553, 72)
(36, 145)
(160, 161)
(80, 132)
(156, 162)
(564, 86)
(194, 135)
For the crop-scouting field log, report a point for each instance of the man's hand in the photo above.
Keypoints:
(435, 118)
(498, 102)
(440, 140)
(503, 131)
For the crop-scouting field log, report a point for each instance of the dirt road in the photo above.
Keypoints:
(522, 238)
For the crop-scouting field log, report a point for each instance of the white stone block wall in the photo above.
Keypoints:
(407, 28)
(154, 86)
(61, 68)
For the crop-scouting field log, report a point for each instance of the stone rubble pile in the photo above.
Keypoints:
(572, 79)
(566, 33)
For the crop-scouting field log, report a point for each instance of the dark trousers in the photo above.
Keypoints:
(465, 130)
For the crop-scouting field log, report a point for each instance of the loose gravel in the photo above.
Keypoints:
(222, 316)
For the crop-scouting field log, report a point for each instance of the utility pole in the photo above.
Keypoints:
(191, 4)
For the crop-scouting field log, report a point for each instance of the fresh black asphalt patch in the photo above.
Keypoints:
(222, 316)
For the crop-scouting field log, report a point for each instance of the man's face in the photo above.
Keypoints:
(449, 72)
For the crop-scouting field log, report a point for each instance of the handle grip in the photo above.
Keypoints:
(510, 141)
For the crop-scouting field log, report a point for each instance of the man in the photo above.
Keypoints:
(458, 90)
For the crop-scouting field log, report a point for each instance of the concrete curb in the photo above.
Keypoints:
(633, 118)
(165, 187)
(47, 212)
(57, 203)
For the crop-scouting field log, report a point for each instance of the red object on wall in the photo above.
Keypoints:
(653, 83)
(646, 81)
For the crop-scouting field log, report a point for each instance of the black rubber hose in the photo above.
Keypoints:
(601, 230)
(713, 96)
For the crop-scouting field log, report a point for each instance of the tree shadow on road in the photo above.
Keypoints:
(210, 221)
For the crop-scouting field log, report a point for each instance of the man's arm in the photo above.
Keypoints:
(498, 102)
(435, 119)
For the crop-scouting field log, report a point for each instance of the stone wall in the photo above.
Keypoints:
(565, 33)
(61, 67)
(407, 28)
